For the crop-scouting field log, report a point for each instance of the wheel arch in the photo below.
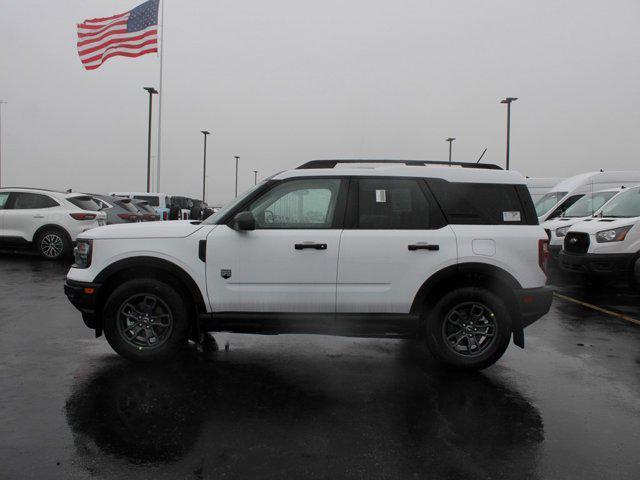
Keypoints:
(50, 226)
(477, 274)
(145, 266)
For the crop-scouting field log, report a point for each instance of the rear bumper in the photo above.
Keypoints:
(598, 264)
(82, 295)
(534, 303)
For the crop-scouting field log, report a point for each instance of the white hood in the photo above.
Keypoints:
(167, 229)
(595, 225)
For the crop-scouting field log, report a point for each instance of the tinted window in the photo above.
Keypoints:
(25, 201)
(3, 199)
(480, 203)
(85, 203)
(386, 203)
(145, 207)
(564, 206)
(149, 198)
(127, 205)
(308, 203)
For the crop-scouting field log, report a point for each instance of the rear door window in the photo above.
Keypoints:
(85, 203)
(484, 203)
(393, 204)
(26, 201)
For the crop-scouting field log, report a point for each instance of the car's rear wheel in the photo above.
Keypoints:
(468, 328)
(146, 320)
(53, 244)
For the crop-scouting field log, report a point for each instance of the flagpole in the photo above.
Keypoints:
(160, 97)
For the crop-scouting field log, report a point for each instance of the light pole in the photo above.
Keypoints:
(508, 101)
(450, 140)
(204, 164)
(2, 102)
(237, 158)
(151, 91)
(255, 177)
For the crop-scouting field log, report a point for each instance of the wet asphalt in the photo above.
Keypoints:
(296, 406)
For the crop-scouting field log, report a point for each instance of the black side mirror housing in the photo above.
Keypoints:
(244, 221)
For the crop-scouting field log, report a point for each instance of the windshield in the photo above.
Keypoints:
(625, 204)
(230, 206)
(85, 203)
(546, 203)
(588, 204)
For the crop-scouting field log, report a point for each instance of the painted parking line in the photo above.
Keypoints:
(621, 316)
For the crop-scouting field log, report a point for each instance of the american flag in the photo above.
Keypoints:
(129, 34)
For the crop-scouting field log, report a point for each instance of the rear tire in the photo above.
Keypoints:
(146, 320)
(53, 244)
(468, 328)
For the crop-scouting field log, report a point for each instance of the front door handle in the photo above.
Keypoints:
(315, 246)
(423, 246)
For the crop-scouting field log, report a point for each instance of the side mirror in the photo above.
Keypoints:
(244, 221)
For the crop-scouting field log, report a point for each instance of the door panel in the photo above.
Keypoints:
(267, 272)
(379, 274)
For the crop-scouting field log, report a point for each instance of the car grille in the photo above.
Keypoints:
(576, 242)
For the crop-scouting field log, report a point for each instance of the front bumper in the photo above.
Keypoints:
(83, 295)
(598, 264)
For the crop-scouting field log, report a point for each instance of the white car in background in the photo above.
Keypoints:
(607, 245)
(587, 207)
(46, 219)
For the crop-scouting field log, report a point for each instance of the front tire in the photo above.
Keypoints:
(53, 244)
(146, 320)
(468, 328)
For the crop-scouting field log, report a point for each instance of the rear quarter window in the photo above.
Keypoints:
(484, 203)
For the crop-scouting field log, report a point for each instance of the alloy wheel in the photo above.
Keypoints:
(145, 321)
(52, 245)
(469, 329)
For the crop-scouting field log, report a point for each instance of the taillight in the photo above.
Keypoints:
(83, 216)
(130, 217)
(165, 215)
(543, 254)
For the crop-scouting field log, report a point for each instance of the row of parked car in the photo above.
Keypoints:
(51, 220)
(593, 224)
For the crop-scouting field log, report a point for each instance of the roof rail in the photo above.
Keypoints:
(413, 163)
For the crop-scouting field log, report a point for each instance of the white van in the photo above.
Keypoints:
(161, 202)
(588, 206)
(569, 191)
(538, 187)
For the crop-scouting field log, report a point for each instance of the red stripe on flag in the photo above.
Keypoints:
(96, 20)
(121, 54)
(116, 40)
(104, 55)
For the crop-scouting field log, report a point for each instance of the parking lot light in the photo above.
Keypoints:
(450, 140)
(237, 158)
(151, 91)
(204, 167)
(508, 102)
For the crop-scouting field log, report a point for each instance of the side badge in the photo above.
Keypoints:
(225, 273)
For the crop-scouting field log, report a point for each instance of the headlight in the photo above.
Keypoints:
(613, 235)
(562, 231)
(82, 254)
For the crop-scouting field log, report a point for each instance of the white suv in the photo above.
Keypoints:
(609, 244)
(46, 219)
(454, 256)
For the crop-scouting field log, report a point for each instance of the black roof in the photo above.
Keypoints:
(419, 163)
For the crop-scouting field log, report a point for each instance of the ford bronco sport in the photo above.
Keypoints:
(448, 253)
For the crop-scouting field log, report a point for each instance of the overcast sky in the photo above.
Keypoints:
(280, 82)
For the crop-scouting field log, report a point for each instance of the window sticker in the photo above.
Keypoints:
(511, 216)
(381, 196)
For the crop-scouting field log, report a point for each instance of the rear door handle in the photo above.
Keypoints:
(315, 246)
(423, 246)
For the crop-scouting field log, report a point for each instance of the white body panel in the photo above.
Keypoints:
(268, 274)
(378, 273)
(631, 243)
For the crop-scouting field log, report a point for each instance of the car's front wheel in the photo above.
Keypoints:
(146, 320)
(468, 328)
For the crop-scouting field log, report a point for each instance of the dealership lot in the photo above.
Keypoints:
(568, 406)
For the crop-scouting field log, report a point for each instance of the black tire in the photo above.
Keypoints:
(133, 302)
(53, 244)
(467, 348)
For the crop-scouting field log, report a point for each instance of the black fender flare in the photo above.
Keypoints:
(502, 278)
